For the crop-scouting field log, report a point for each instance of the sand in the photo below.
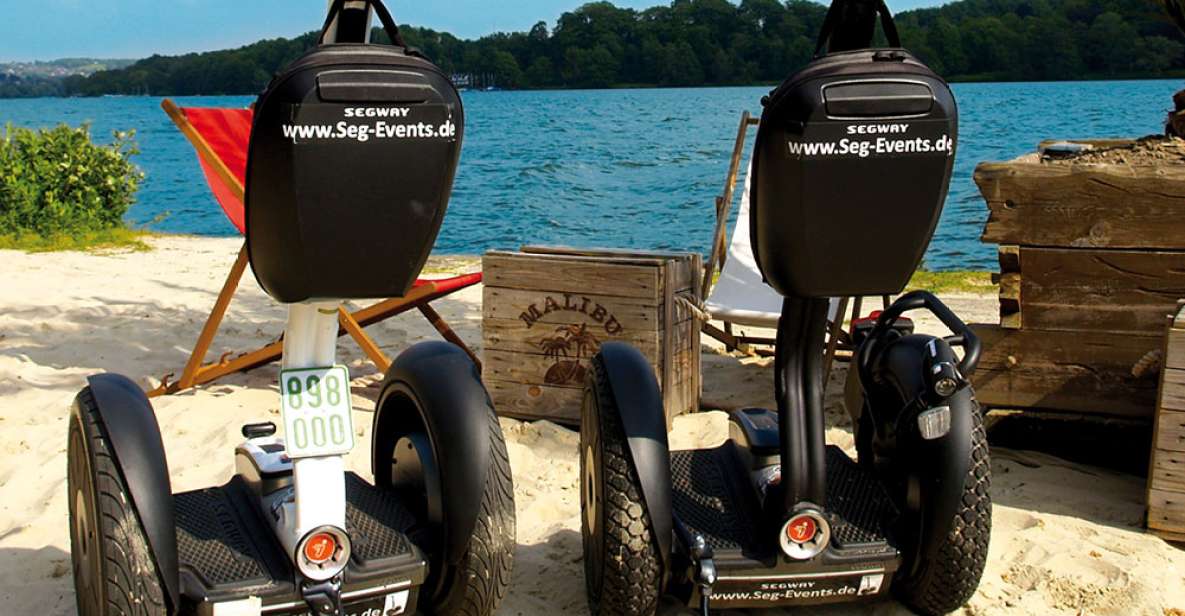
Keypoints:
(1067, 538)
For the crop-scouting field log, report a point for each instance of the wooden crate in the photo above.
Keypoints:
(1166, 472)
(1091, 260)
(546, 311)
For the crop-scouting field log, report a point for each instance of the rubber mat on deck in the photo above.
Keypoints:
(708, 498)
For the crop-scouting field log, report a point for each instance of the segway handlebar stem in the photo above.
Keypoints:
(310, 341)
(798, 387)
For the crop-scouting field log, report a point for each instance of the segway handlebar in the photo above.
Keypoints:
(964, 336)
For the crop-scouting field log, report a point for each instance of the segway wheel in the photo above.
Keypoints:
(621, 563)
(946, 582)
(114, 572)
(404, 460)
(479, 583)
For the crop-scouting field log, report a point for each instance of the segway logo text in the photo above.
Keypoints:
(377, 112)
(363, 124)
(878, 129)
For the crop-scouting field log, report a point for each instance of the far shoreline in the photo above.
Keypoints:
(961, 80)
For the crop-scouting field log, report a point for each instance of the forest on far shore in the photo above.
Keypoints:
(711, 42)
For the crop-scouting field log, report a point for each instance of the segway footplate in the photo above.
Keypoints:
(714, 499)
(228, 552)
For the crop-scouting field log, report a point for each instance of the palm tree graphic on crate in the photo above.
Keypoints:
(571, 344)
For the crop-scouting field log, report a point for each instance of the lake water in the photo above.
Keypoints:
(623, 168)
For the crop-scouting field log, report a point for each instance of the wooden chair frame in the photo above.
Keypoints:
(198, 372)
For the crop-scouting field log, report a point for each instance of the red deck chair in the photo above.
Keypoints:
(220, 137)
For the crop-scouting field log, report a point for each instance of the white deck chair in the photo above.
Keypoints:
(740, 295)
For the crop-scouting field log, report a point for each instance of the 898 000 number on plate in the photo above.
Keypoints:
(317, 412)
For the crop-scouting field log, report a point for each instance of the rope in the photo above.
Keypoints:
(692, 304)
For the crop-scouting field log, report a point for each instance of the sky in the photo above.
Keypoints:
(133, 29)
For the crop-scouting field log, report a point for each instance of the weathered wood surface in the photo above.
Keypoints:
(1072, 289)
(547, 311)
(605, 314)
(508, 335)
(530, 401)
(1170, 431)
(572, 275)
(1084, 372)
(1084, 206)
(1166, 511)
(1175, 353)
(1168, 471)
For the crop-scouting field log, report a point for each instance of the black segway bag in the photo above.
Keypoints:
(851, 168)
(353, 154)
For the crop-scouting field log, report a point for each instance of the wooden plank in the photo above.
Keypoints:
(1172, 389)
(1175, 354)
(512, 336)
(1097, 143)
(1110, 290)
(1169, 535)
(605, 314)
(539, 369)
(1084, 372)
(605, 255)
(1083, 206)
(570, 275)
(529, 401)
(1170, 431)
(1166, 511)
(1168, 471)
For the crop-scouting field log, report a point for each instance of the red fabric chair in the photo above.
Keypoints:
(221, 137)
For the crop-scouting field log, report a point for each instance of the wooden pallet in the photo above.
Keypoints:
(1166, 471)
(546, 311)
(1092, 259)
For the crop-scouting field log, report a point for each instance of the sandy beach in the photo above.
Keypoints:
(1067, 538)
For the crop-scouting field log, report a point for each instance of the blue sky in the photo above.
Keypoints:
(50, 29)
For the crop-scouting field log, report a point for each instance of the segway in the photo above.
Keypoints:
(353, 154)
(850, 172)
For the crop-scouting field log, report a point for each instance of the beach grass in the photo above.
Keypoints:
(88, 241)
(958, 281)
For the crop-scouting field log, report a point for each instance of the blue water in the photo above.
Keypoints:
(623, 168)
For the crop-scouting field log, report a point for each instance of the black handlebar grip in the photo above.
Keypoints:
(914, 300)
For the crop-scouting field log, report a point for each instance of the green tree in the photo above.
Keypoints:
(694, 42)
(506, 70)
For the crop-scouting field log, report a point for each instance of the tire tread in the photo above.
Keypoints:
(486, 568)
(950, 580)
(131, 583)
(630, 582)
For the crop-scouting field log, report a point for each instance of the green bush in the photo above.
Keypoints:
(57, 182)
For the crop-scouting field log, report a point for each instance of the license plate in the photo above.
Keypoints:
(317, 412)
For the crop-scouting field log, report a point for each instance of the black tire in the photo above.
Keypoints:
(114, 572)
(621, 562)
(946, 582)
(478, 584)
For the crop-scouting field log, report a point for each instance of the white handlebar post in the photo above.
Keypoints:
(310, 341)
